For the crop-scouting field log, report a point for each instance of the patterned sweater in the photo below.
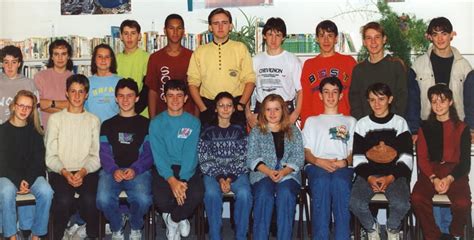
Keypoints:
(221, 152)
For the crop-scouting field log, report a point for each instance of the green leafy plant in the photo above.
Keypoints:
(246, 33)
(405, 34)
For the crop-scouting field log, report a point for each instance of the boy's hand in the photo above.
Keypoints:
(129, 174)
(384, 182)
(372, 180)
(326, 164)
(179, 189)
(118, 175)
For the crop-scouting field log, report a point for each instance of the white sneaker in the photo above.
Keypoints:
(81, 232)
(184, 227)
(136, 235)
(171, 227)
(70, 231)
(118, 235)
(393, 234)
(374, 234)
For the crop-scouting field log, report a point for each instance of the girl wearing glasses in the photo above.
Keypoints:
(22, 168)
(222, 149)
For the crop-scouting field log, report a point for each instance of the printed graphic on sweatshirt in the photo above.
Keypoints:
(125, 138)
(184, 132)
(270, 79)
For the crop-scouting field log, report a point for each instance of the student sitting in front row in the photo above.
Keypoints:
(222, 150)
(443, 150)
(126, 160)
(72, 157)
(328, 141)
(174, 136)
(22, 168)
(275, 156)
(382, 162)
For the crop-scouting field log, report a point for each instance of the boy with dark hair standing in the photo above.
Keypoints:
(11, 80)
(170, 62)
(72, 158)
(328, 141)
(51, 82)
(178, 187)
(277, 70)
(328, 63)
(133, 61)
(222, 65)
(126, 160)
(442, 63)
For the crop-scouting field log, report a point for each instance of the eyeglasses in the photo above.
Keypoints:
(24, 107)
(225, 105)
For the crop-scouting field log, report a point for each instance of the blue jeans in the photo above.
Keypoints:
(398, 196)
(330, 191)
(213, 203)
(266, 194)
(443, 218)
(138, 196)
(43, 197)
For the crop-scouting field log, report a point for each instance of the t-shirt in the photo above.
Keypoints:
(124, 144)
(163, 67)
(329, 136)
(101, 99)
(317, 69)
(441, 68)
(8, 90)
(51, 85)
(218, 67)
(278, 74)
(133, 65)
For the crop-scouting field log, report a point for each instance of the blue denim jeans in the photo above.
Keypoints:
(267, 194)
(330, 191)
(138, 196)
(398, 196)
(213, 203)
(443, 217)
(43, 195)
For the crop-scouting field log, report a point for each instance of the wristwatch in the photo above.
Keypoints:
(53, 104)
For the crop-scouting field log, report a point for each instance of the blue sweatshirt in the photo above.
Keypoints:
(174, 141)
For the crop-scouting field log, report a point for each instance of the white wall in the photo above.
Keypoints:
(26, 18)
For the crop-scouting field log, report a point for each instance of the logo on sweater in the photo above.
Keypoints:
(184, 132)
(125, 138)
(339, 133)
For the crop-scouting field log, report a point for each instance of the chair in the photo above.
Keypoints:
(149, 226)
(443, 200)
(29, 199)
(201, 220)
(380, 201)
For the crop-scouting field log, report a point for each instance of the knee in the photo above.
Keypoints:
(46, 192)
(417, 198)
(243, 195)
(461, 204)
(401, 205)
(103, 199)
(355, 205)
(8, 191)
(212, 193)
(143, 200)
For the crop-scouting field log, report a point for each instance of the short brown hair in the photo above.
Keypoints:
(219, 11)
(372, 25)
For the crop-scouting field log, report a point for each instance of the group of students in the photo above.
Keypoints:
(98, 140)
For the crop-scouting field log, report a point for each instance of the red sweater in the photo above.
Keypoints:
(315, 70)
(440, 142)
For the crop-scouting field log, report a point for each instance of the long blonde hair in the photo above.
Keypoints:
(33, 118)
(285, 124)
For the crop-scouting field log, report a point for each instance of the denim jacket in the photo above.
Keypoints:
(261, 148)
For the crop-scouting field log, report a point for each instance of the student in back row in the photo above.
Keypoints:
(170, 62)
(278, 72)
(328, 63)
(222, 65)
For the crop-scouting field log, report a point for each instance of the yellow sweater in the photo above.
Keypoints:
(221, 67)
